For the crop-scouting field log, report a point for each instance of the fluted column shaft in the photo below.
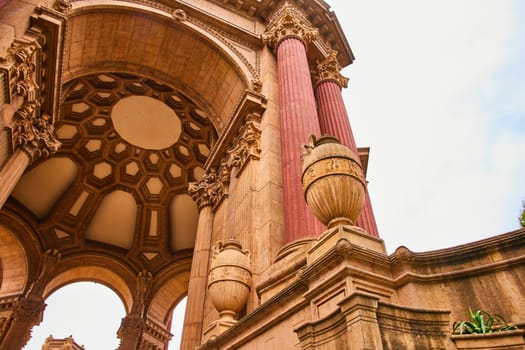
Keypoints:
(11, 173)
(333, 120)
(192, 331)
(298, 120)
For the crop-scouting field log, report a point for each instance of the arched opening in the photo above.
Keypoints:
(177, 322)
(90, 312)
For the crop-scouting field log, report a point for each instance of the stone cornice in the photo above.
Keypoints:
(473, 259)
(328, 69)
(287, 22)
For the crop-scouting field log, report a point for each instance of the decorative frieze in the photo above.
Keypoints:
(34, 132)
(329, 69)
(287, 22)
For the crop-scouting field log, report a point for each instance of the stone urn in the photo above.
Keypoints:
(333, 181)
(229, 279)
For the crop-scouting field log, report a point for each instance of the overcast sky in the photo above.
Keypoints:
(437, 91)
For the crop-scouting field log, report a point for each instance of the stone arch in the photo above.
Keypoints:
(179, 52)
(171, 287)
(13, 263)
(101, 269)
(19, 253)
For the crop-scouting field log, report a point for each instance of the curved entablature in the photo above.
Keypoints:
(174, 47)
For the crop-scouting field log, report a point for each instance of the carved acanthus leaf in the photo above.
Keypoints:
(34, 132)
(329, 69)
(211, 189)
(247, 144)
(286, 22)
(20, 64)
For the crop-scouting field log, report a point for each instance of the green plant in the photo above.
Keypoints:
(481, 322)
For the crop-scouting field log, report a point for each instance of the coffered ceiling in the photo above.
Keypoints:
(130, 146)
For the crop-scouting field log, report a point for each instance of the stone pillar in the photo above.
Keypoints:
(133, 325)
(27, 314)
(289, 32)
(30, 309)
(130, 332)
(362, 328)
(11, 173)
(33, 138)
(333, 120)
(204, 193)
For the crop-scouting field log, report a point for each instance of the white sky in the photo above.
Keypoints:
(437, 91)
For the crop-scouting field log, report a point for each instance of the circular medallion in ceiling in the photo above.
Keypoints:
(146, 122)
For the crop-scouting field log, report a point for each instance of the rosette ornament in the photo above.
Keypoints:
(333, 181)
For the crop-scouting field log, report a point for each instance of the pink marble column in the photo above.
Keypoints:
(333, 120)
(289, 32)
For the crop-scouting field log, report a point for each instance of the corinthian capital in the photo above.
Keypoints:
(246, 144)
(34, 132)
(211, 189)
(288, 21)
(329, 69)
